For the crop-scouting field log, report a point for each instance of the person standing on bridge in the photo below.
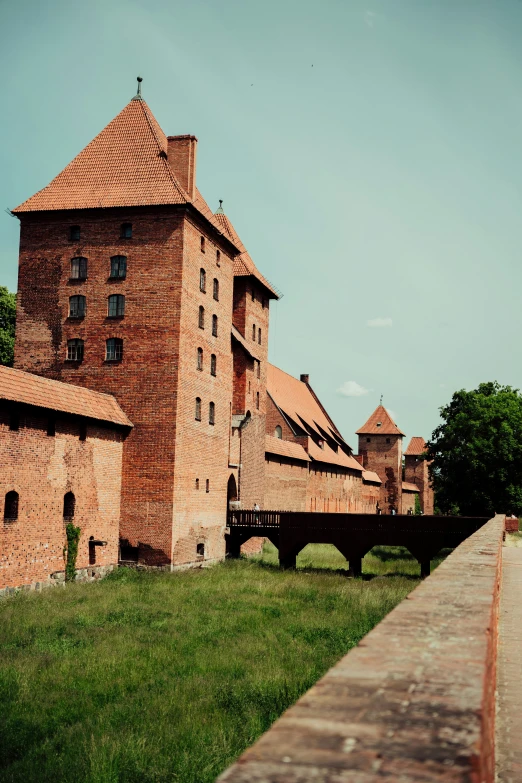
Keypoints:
(256, 510)
(393, 512)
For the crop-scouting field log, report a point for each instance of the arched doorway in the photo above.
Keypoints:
(231, 489)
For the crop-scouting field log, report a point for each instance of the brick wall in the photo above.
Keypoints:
(370, 494)
(408, 502)
(42, 469)
(383, 455)
(332, 488)
(416, 471)
(286, 483)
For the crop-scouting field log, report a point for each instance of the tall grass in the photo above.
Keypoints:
(168, 677)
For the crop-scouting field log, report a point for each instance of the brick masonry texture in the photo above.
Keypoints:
(42, 468)
(385, 459)
(414, 701)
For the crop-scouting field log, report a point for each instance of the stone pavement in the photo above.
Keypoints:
(509, 675)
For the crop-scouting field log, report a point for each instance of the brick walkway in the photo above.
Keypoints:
(509, 678)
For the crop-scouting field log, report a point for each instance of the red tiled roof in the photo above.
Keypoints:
(243, 264)
(406, 487)
(299, 404)
(285, 448)
(416, 446)
(331, 457)
(19, 386)
(125, 165)
(369, 475)
(379, 423)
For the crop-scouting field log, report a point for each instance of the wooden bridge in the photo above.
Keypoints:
(353, 534)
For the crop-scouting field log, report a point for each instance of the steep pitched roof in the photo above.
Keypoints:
(416, 446)
(125, 165)
(285, 448)
(407, 487)
(243, 264)
(380, 423)
(20, 386)
(370, 476)
(299, 403)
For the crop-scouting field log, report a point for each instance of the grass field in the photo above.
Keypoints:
(168, 677)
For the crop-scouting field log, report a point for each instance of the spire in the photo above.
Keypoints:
(138, 97)
(220, 210)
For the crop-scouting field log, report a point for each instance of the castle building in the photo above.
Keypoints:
(132, 289)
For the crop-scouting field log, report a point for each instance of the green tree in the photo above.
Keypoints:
(7, 326)
(476, 452)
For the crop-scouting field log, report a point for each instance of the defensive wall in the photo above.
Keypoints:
(414, 701)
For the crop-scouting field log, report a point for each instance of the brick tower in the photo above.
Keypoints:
(126, 286)
(380, 446)
(416, 472)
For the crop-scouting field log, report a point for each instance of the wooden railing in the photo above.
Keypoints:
(253, 518)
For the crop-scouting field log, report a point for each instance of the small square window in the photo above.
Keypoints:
(74, 233)
(126, 231)
(114, 350)
(368, 440)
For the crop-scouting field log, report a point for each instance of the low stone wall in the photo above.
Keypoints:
(414, 701)
(57, 579)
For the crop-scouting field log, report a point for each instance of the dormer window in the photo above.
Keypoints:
(320, 443)
(278, 432)
(379, 423)
(126, 231)
(74, 233)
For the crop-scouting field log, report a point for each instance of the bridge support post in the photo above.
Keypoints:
(355, 566)
(425, 565)
(233, 546)
(288, 561)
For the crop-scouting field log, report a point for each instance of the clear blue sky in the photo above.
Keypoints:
(368, 153)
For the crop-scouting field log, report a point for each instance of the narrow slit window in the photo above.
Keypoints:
(126, 231)
(198, 408)
(77, 306)
(11, 506)
(214, 325)
(216, 289)
(200, 359)
(253, 294)
(211, 413)
(75, 350)
(202, 280)
(74, 233)
(254, 332)
(259, 335)
(197, 483)
(118, 267)
(202, 244)
(114, 349)
(259, 369)
(213, 362)
(116, 306)
(257, 400)
(79, 268)
(207, 486)
(69, 506)
(218, 258)
(201, 320)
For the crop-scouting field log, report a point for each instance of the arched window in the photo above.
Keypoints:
(77, 306)
(201, 321)
(118, 267)
(79, 268)
(216, 289)
(198, 408)
(214, 326)
(254, 332)
(114, 350)
(69, 506)
(257, 400)
(11, 506)
(74, 233)
(126, 231)
(278, 432)
(259, 335)
(75, 350)
(211, 413)
(202, 280)
(116, 306)
(200, 358)
(213, 364)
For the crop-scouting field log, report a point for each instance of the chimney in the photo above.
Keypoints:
(305, 378)
(181, 155)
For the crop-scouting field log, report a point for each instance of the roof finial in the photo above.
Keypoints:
(220, 210)
(138, 97)
(381, 400)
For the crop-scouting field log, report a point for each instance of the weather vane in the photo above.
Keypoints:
(139, 80)
(381, 400)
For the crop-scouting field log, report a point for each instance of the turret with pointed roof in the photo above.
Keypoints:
(380, 423)
(380, 450)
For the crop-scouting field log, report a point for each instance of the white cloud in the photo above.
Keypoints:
(379, 322)
(352, 389)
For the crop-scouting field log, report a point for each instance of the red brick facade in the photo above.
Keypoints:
(42, 468)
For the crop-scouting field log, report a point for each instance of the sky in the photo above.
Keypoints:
(367, 152)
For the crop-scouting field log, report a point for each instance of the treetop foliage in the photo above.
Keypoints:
(476, 453)
(7, 326)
